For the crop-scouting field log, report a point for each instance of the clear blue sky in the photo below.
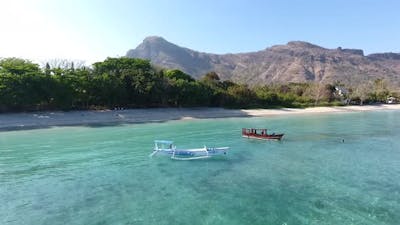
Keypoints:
(91, 30)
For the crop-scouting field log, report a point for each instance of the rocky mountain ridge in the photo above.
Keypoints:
(297, 61)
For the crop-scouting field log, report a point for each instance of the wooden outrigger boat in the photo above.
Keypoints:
(260, 134)
(168, 148)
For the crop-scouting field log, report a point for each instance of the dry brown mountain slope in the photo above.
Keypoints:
(294, 62)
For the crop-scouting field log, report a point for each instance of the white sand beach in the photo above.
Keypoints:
(16, 121)
(313, 110)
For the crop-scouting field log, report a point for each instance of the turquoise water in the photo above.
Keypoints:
(103, 175)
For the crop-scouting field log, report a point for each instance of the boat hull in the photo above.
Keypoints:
(261, 134)
(276, 137)
(194, 152)
(165, 147)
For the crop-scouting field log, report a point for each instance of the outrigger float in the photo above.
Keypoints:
(168, 148)
(260, 134)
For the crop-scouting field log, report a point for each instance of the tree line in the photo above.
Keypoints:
(135, 83)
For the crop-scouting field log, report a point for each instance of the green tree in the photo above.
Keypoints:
(18, 66)
(362, 92)
(266, 97)
(211, 76)
(137, 76)
(47, 69)
(318, 92)
(380, 90)
(240, 96)
(177, 75)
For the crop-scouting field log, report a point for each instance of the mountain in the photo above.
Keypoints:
(297, 61)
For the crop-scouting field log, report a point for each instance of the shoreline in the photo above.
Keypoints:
(36, 120)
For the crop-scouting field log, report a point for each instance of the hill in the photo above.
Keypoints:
(296, 61)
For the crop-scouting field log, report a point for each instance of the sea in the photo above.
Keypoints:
(339, 168)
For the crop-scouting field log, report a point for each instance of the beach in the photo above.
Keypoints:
(32, 120)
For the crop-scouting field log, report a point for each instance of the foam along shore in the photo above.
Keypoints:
(16, 121)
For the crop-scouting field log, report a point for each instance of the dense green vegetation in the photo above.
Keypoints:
(131, 83)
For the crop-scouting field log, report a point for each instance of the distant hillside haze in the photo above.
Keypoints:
(297, 61)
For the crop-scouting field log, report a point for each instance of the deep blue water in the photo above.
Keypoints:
(103, 175)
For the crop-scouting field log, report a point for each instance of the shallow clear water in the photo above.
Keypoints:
(103, 175)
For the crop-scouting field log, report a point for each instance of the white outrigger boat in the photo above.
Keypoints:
(168, 148)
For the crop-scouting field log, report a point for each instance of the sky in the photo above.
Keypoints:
(92, 30)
